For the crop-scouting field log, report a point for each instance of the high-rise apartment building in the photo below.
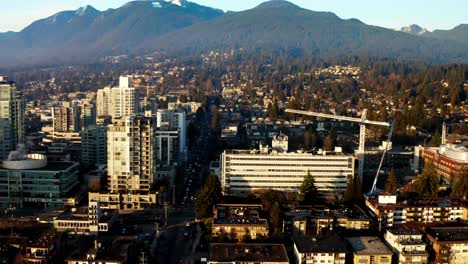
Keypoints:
(66, 119)
(167, 147)
(93, 146)
(131, 154)
(12, 108)
(118, 101)
(174, 120)
(103, 102)
(87, 115)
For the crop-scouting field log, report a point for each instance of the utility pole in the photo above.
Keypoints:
(165, 213)
(173, 196)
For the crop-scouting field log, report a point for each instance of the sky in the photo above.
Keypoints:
(430, 14)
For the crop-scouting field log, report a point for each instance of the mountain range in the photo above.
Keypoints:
(458, 34)
(182, 27)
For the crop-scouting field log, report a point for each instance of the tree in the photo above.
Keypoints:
(354, 191)
(273, 110)
(269, 198)
(208, 197)
(391, 185)
(460, 187)
(427, 183)
(183, 98)
(232, 235)
(292, 104)
(200, 114)
(330, 140)
(308, 190)
(275, 220)
(436, 139)
(350, 190)
(275, 217)
(310, 137)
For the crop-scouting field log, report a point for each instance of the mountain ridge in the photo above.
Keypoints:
(183, 27)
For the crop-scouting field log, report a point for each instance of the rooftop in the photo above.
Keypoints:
(368, 246)
(256, 152)
(223, 252)
(330, 244)
(400, 231)
(108, 250)
(423, 202)
(54, 166)
(45, 241)
(449, 234)
(238, 214)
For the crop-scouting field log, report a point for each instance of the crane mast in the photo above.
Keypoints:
(363, 121)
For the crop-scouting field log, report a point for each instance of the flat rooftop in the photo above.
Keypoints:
(45, 241)
(53, 166)
(449, 234)
(423, 202)
(239, 214)
(400, 231)
(224, 252)
(368, 246)
(111, 250)
(332, 244)
(256, 152)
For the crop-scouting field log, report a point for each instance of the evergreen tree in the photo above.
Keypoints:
(391, 185)
(460, 187)
(350, 190)
(275, 215)
(208, 197)
(330, 141)
(273, 110)
(310, 137)
(354, 191)
(436, 139)
(427, 183)
(308, 190)
(275, 220)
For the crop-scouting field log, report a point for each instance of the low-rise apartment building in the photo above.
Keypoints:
(408, 246)
(238, 221)
(369, 250)
(392, 212)
(331, 250)
(221, 253)
(448, 244)
(85, 221)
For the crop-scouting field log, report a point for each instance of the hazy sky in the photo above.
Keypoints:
(431, 14)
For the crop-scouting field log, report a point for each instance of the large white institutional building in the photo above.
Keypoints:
(244, 171)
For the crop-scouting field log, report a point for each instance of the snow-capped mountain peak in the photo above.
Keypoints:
(181, 3)
(414, 30)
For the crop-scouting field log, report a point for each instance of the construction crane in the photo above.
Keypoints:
(374, 185)
(363, 121)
